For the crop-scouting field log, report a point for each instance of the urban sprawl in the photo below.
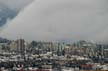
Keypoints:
(20, 55)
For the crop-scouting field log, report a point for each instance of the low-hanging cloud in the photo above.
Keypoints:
(9, 9)
(53, 20)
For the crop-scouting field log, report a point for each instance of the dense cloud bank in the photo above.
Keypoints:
(16, 4)
(54, 20)
(9, 9)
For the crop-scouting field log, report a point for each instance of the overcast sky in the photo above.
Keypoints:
(52, 20)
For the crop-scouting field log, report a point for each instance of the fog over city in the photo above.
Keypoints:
(57, 20)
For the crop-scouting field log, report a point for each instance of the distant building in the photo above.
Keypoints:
(21, 45)
(2, 47)
(60, 48)
(68, 50)
(13, 46)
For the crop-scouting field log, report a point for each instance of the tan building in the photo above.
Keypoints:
(18, 45)
(13, 46)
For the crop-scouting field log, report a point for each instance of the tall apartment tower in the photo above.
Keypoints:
(21, 45)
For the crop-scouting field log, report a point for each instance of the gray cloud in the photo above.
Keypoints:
(53, 20)
(16, 4)
(10, 8)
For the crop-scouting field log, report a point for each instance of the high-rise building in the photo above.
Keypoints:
(61, 47)
(20, 45)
